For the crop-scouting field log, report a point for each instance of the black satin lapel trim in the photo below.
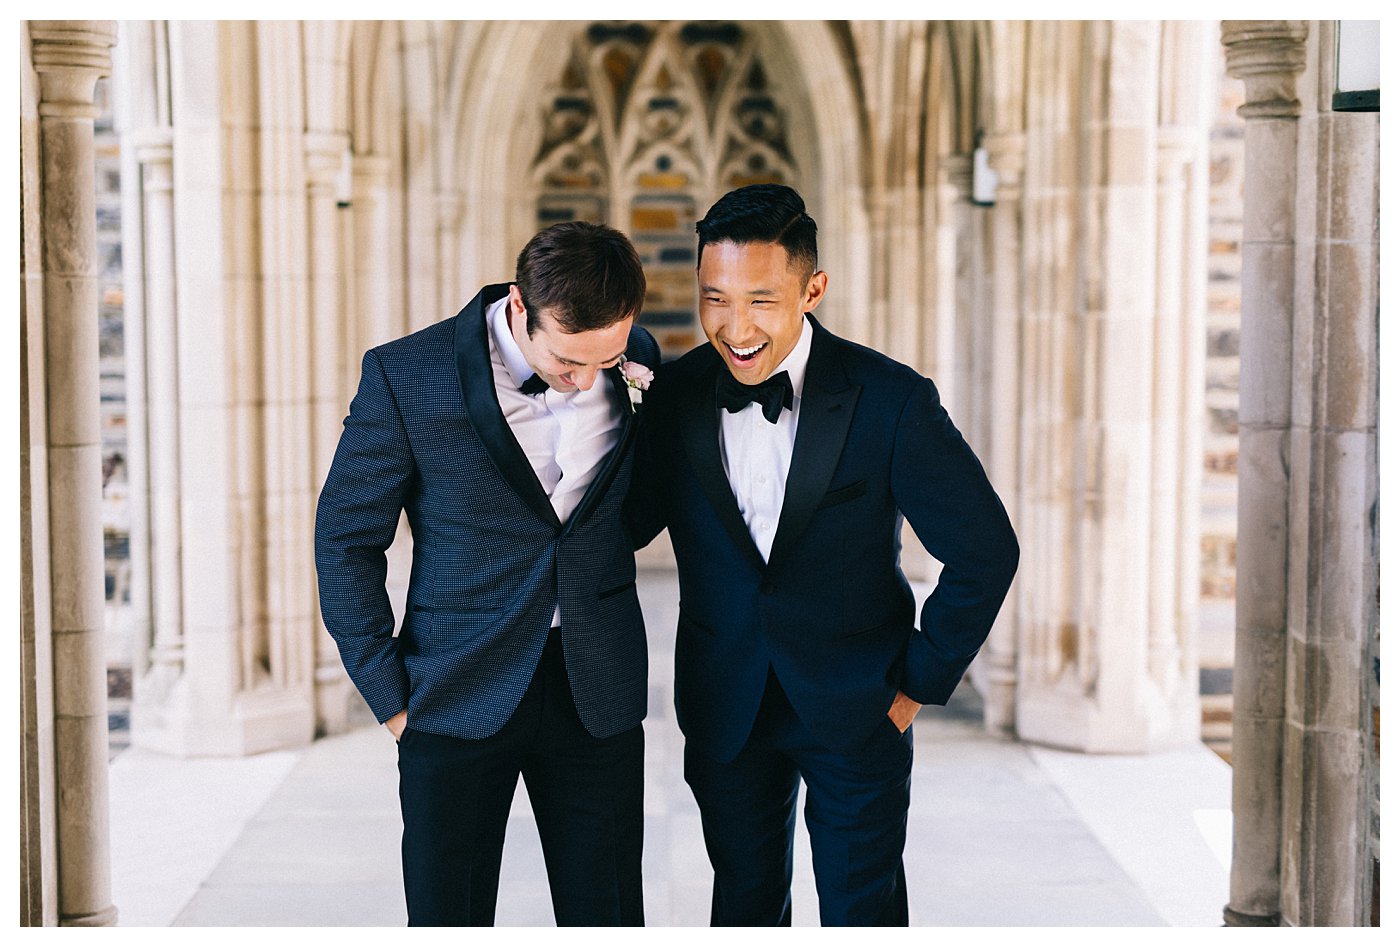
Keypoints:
(594, 494)
(484, 408)
(700, 431)
(828, 404)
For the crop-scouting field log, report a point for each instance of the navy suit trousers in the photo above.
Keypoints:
(586, 794)
(856, 812)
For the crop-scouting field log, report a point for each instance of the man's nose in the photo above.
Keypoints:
(739, 324)
(583, 378)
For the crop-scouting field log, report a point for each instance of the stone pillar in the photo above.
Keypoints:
(160, 359)
(1179, 355)
(1330, 803)
(950, 353)
(1006, 153)
(287, 666)
(69, 57)
(140, 62)
(38, 881)
(325, 153)
(377, 319)
(1105, 634)
(223, 284)
(1268, 56)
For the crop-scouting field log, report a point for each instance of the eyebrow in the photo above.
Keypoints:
(752, 292)
(569, 361)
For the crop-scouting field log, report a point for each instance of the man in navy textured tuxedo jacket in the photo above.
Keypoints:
(783, 460)
(505, 434)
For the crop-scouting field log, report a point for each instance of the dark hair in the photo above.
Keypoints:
(589, 276)
(763, 213)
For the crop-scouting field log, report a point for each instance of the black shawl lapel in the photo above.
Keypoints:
(594, 494)
(700, 429)
(828, 403)
(484, 408)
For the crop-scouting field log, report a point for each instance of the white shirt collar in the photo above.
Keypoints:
(506, 346)
(796, 362)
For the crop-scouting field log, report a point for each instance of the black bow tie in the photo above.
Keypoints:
(773, 393)
(535, 385)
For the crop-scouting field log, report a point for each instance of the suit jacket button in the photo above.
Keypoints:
(768, 588)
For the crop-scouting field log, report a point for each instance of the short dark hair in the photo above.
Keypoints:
(763, 213)
(588, 275)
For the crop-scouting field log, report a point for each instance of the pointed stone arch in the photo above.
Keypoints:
(491, 159)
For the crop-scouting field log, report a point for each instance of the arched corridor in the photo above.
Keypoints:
(1020, 210)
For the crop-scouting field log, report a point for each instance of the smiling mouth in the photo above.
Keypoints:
(745, 355)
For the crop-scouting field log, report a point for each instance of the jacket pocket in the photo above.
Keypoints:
(609, 593)
(843, 494)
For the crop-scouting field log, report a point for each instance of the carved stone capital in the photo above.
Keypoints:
(70, 56)
(1268, 55)
(155, 145)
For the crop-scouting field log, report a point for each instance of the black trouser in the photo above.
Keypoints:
(857, 811)
(586, 794)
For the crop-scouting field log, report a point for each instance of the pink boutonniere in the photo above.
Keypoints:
(638, 378)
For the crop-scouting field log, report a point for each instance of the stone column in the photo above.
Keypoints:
(325, 152)
(160, 358)
(139, 60)
(288, 665)
(377, 318)
(230, 410)
(1330, 758)
(38, 882)
(999, 348)
(1179, 356)
(1006, 153)
(69, 57)
(1268, 56)
(1103, 635)
(950, 354)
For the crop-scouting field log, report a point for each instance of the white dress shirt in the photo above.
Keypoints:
(566, 436)
(757, 453)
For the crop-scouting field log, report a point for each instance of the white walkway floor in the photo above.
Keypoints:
(1000, 833)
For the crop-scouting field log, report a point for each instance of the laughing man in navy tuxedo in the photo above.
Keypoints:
(505, 433)
(783, 460)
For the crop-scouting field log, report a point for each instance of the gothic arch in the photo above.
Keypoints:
(490, 159)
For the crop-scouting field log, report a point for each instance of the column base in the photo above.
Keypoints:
(107, 917)
(1080, 722)
(257, 722)
(335, 696)
(1235, 918)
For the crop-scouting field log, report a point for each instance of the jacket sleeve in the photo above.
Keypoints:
(942, 490)
(356, 519)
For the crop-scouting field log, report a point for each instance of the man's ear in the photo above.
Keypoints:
(816, 289)
(517, 301)
(515, 309)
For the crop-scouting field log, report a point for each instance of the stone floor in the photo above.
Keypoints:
(1000, 833)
